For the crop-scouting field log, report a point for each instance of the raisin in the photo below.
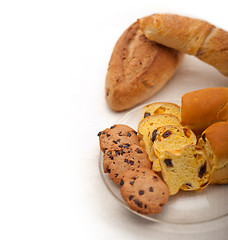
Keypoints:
(117, 175)
(204, 137)
(146, 114)
(154, 135)
(202, 171)
(141, 192)
(166, 134)
(168, 162)
(187, 132)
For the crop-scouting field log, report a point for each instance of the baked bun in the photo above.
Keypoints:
(161, 108)
(189, 35)
(215, 142)
(201, 108)
(138, 68)
(185, 169)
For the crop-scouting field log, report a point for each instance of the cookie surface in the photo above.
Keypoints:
(123, 157)
(116, 135)
(144, 191)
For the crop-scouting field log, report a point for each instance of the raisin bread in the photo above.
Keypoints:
(215, 142)
(185, 169)
(161, 108)
(149, 124)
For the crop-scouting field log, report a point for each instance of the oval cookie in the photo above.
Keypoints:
(116, 135)
(144, 191)
(118, 160)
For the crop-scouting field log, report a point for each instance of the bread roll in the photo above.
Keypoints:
(215, 142)
(201, 108)
(138, 68)
(192, 36)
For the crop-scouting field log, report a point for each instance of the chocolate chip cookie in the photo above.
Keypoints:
(144, 191)
(119, 134)
(123, 157)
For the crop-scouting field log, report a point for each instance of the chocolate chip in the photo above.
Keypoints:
(117, 175)
(141, 192)
(115, 142)
(166, 134)
(130, 197)
(202, 170)
(131, 162)
(121, 182)
(126, 145)
(151, 189)
(129, 134)
(139, 151)
(132, 182)
(120, 134)
(112, 127)
(99, 134)
(168, 162)
(154, 135)
(138, 203)
(155, 178)
(146, 114)
(126, 161)
(117, 152)
(135, 132)
(108, 170)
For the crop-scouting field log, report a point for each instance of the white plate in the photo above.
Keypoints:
(183, 208)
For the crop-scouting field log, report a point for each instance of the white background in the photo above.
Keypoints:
(53, 61)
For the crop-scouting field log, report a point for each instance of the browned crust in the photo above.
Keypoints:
(217, 135)
(201, 108)
(138, 68)
(189, 35)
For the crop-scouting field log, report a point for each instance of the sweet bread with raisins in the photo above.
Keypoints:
(161, 108)
(214, 140)
(185, 169)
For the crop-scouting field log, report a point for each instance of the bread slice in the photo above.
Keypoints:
(149, 124)
(172, 138)
(214, 140)
(161, 108)
(185, 169)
